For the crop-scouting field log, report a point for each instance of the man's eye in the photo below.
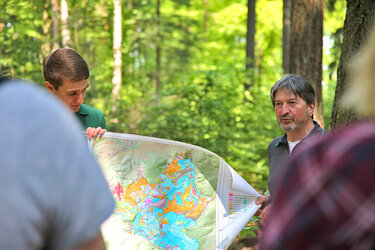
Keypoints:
(71, 94)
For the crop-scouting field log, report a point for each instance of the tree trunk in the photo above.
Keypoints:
(306, 46)
(64, 24)
(46, 46)
(157, 73)
(358, 22)
(55, 24)
(250, 43)
(117, 55)
(75, 31)
(286, 35)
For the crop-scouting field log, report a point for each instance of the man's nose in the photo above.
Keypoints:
(285, 109)
(80, 98)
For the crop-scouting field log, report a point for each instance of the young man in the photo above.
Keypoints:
(66, 75)
(293, 99)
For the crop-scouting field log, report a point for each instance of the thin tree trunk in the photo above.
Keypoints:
(157, 74)
(359, 19)
(64, 23)
(286, 34)
(250, 43)
(76, 31)
(306, 46)
(46, 46)
(55, 24)
(117, 55)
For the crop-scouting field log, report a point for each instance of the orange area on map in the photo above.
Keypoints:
(134, 191)
(198, 209)
(172, 168)
(164, 221)
(174, 207)
(192, 210)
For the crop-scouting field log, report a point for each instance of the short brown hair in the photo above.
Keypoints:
(64, 63)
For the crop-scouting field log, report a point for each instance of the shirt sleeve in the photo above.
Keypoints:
(104, 124)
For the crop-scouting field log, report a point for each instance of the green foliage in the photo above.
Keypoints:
(251, 228)
(20, 39)
(201, 99)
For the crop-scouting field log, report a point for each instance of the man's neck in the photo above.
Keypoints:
(297, 135)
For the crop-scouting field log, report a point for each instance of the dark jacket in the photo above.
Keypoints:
(278, 152)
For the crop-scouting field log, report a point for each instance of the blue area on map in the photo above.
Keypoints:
(168, 229)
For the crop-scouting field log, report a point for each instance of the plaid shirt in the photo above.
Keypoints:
(325, 197)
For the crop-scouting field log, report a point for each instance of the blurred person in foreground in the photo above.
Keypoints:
(66, 75)
(293, 99)
(325, 198)
(53, 193)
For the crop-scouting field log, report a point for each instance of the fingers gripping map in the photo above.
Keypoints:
(170, 195)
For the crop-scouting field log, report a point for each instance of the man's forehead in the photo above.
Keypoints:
(77, 88)
(286, 92)
(70, 85)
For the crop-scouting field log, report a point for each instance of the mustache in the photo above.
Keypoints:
(287, 116)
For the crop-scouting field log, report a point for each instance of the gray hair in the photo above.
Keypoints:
(296, 84)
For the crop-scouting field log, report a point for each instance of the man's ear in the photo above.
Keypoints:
(312, 107)
(50, 87)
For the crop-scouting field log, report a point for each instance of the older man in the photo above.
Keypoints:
(325, 196)
(293, 99)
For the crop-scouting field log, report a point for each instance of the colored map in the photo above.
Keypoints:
(165, 195)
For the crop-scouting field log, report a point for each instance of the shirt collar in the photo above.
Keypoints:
(82, 111)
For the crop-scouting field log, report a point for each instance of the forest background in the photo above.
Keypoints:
(174, 69)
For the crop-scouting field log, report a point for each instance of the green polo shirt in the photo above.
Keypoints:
(91, 117)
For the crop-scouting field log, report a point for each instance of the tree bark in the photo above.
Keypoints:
(117, 55)
(286, 35)
(55, 24)
(250, 43)
(75, 31)
(306, 46)
(157, 73)
(358, 22)
(46, 46)
(64, 24)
